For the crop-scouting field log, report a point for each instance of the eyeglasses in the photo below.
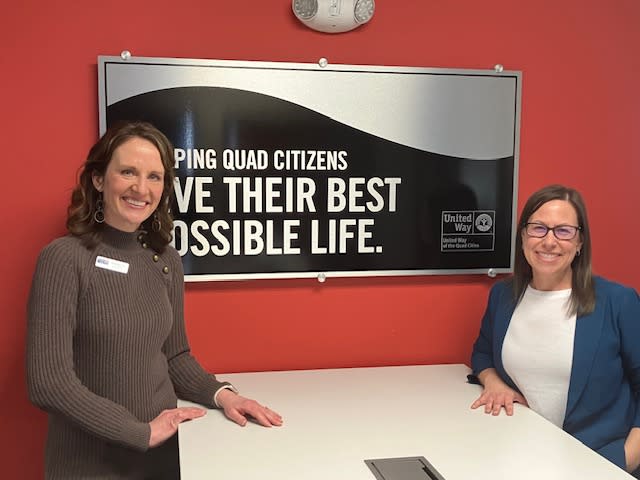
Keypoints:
(561, 232)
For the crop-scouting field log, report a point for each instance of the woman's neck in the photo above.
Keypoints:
(552, 283)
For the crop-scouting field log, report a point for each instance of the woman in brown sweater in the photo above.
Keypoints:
(107, 352)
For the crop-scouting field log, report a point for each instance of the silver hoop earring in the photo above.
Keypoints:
(98, 215)
(577, 253)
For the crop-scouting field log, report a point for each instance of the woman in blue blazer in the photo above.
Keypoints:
(560, 340)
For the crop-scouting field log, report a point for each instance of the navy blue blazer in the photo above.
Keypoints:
(604, 389)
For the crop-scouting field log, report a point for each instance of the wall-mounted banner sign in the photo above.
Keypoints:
(304, 170)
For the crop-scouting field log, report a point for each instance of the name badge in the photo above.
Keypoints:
(111, 264)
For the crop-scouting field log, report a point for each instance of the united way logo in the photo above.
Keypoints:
(484, 222)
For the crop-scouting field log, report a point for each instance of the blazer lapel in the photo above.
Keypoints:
(585, 345)
(500, 326)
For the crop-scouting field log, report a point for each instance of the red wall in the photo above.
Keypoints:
(580, 125)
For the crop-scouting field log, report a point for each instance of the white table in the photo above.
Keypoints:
(335, 419)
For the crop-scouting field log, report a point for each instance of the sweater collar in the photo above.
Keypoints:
(121, 240)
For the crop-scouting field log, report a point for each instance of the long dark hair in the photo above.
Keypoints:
(583, 296)
(80, 214)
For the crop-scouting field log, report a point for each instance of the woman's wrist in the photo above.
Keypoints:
(223, 393)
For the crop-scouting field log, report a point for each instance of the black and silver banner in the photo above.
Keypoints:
(304, 170)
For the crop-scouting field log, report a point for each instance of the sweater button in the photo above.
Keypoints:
(156, 258)
(144, 245)
(165, 269)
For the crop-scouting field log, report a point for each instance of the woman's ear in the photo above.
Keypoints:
(98, 181)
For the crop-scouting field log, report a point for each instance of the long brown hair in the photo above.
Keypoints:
(80, 214)
(583, 296)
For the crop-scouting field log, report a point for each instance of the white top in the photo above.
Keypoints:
(538, 351)
(335, 419)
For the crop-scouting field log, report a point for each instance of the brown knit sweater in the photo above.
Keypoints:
(106, 353)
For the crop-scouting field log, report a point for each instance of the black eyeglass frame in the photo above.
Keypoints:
(553, 229)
